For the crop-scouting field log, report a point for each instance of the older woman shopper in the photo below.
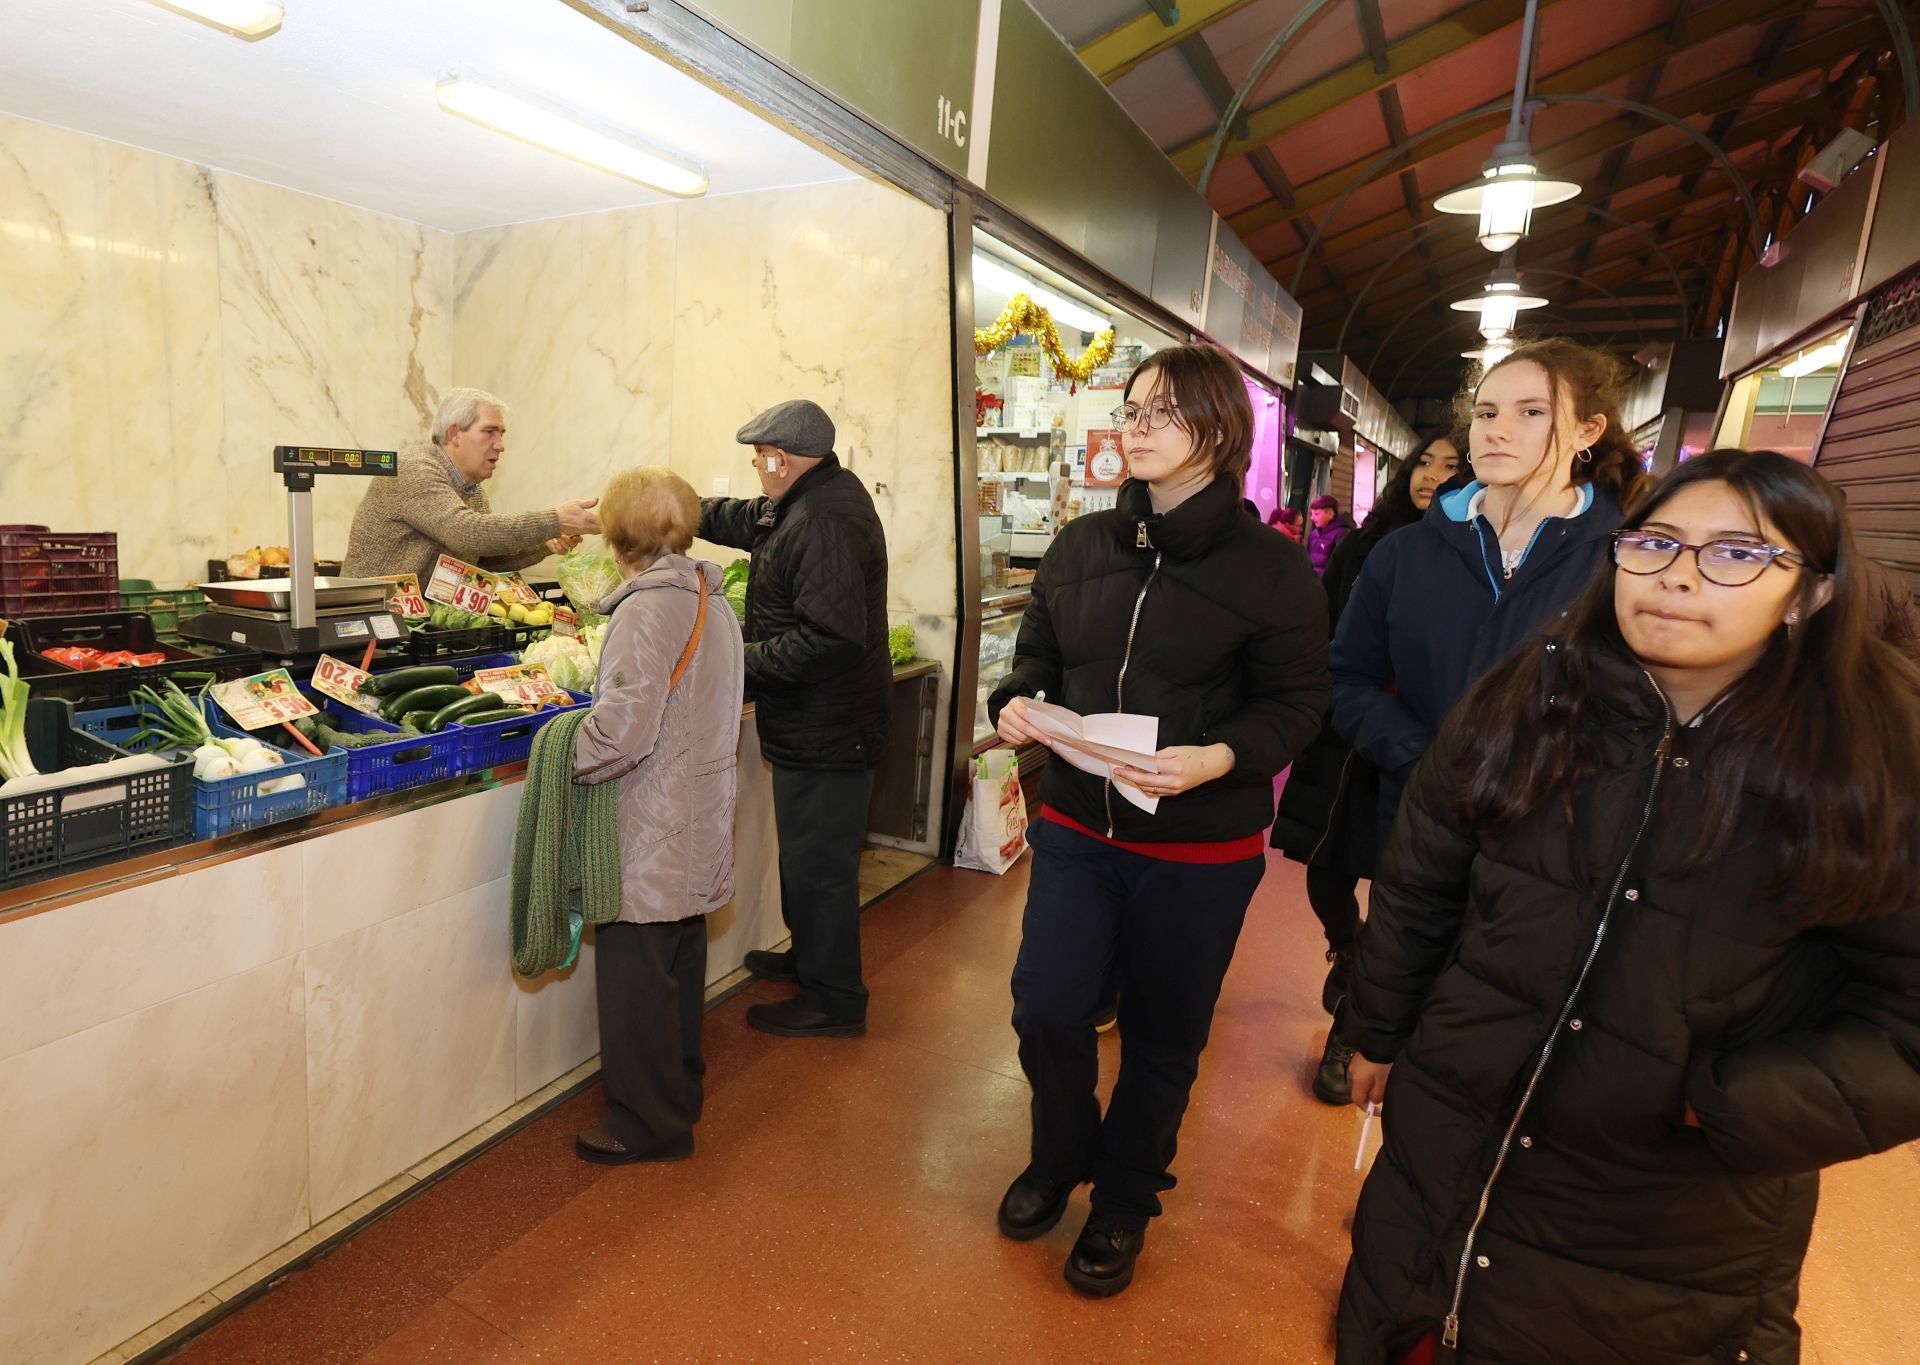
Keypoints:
(665, 725)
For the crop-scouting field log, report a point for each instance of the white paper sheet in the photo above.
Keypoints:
(1099, 744)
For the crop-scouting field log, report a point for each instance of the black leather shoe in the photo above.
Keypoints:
(771, 966)
(1032, 1205)
(1102, 1260)
(604, 1149)
(1331, 1084)
(795, 1018)
(1340, 967)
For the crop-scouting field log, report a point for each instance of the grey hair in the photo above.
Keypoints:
(461, 408)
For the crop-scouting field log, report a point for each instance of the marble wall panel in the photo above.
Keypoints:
(387, 868)
(410, 1040)
(124, 1148)
(71, 969)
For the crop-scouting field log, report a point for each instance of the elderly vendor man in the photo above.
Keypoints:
(435, 506)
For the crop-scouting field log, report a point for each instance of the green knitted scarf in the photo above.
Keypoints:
(566, 852)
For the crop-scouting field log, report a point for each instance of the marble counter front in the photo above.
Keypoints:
(203, 1059)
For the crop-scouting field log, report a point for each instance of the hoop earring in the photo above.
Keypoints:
(1793, 619)
(1584, 456)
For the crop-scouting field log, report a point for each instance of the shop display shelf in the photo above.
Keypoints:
(130, 630)
(167, 607)
(507, 741)
(44, 572)
(230, 804)
(85, 823)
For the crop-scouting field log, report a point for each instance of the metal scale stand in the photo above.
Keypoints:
(300, 616)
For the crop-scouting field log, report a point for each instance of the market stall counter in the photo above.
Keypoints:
(207, 1052)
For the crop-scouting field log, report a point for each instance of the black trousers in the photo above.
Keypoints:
(1331, 894)
(652, 981)
(821, 820)
(1099, 918)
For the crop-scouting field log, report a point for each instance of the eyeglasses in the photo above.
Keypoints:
(1729, 563)
(1156, 414)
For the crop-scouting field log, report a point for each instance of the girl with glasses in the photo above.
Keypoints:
(1644, 952)
(1176, 605)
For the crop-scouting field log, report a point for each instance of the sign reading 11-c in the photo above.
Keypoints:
(953, 122)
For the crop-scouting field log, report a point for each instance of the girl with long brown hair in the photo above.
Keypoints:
(1644, 952)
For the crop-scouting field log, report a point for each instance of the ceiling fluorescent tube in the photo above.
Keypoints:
(1065, 311)
(568, 134)
(243, 18)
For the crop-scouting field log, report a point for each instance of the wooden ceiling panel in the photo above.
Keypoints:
(1328, 43)
(1167, 100)
(1337, 137)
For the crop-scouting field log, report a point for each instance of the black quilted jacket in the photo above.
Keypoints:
(1203, 618)
(1614, 1233)
(817, 665)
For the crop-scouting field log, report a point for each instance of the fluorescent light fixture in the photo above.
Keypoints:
(1499, 303)
(1496, 349)
(243, 18)
(1819, 358)
(1511, 188)
(568, 134)
(1008, 281)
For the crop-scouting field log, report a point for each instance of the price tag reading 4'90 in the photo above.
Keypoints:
(469, 598)
(462, 585)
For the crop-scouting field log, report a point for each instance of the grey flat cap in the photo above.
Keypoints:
(798, 426)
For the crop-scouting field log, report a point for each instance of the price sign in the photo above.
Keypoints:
(566, 623)
(513, 590)
(264, 700)
(406, 598)
(462, 585)
(526, 684)
(342, 681)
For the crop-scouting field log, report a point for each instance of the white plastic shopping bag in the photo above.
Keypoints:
(993, 827)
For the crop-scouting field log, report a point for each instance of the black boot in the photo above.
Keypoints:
(1102, 1260)
(1331, 1084)
(1032, 1205)
(1340, 968)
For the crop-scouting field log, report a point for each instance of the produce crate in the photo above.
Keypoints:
(168, 607)
(410, 761)
(44, 572)
(230, 804)
(126, 630)
(426, 645)
(506, 741)
(63, 829)
(518, 637)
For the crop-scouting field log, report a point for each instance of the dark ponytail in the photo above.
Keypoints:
(1596, 382)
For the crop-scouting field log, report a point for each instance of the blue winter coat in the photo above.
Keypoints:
(1432, 613)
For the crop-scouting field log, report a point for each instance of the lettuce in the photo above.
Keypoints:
(587, 575)
(900, 645)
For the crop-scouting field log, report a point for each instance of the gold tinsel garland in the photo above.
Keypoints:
(1022, 314)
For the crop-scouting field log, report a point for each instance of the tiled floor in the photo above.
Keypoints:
(841, 1204)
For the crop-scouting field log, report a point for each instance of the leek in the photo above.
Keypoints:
(14, 758)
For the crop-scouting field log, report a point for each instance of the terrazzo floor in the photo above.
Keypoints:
(840, 1205)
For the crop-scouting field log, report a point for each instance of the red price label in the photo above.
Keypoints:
(566, 622)
(469, 598)
(342, 681)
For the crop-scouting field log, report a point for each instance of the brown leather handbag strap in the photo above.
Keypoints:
(693, 643)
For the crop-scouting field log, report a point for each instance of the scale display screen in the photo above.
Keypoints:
(325, 460)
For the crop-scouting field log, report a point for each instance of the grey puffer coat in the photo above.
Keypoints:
(674, 755)
(1554, 1000)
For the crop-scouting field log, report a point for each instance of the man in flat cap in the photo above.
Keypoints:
(818, 672)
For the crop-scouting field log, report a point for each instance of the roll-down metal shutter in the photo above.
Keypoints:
(1871, 446)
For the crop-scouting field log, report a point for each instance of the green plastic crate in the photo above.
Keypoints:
(167, 606)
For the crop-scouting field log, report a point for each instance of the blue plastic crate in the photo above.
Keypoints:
(230, 804)
(507, 741)
(410, 761)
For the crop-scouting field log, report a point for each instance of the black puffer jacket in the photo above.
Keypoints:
(817, 665)
(1614, 1233)
(1204, 618)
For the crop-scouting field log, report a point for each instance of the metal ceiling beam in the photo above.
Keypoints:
(1728, 89)
(1218, 89)
(1592, 73)
(1116, 52)
(1357, 79)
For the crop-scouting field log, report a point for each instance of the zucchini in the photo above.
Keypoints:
(416, 720)
(406, 679)
(488, 717)
(432, 697)
(471, 704)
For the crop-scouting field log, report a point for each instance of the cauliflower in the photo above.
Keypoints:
(568, 662)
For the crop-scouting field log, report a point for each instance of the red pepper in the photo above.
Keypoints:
(157, 656)
(75, 656)
(119, 658)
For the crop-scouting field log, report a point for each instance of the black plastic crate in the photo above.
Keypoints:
(129, 630)
(54, 830)
(425, 645)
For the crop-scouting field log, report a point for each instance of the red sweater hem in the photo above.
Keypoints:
(1229, 851)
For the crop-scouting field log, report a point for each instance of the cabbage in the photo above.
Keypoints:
(567, 660)
(900, 644)
(587, 575)
(733, 585)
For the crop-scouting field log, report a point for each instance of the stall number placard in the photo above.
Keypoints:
(406, 599)
(263, 700)
(460, 584)
(512, 589)
(526, 684)
(342, 681)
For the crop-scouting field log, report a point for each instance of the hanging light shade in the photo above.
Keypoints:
(1499, 303)
(1496, 349)
(1510, 189)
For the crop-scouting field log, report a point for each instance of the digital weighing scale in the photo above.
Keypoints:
(300, 615)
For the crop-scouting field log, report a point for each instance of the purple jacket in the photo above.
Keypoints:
(1320, 542)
